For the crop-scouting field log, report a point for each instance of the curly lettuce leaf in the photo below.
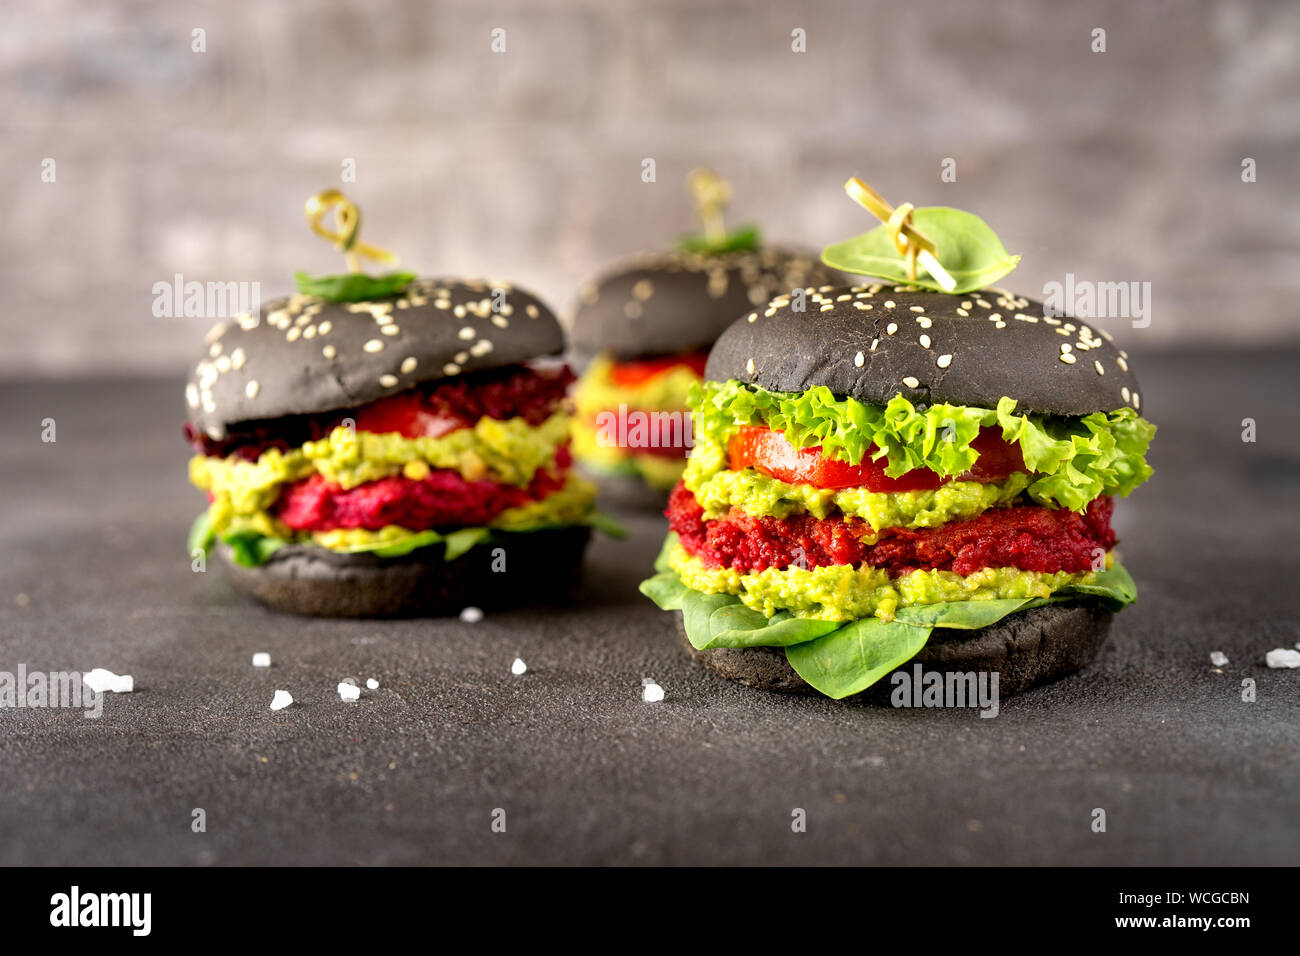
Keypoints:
(1074, 460)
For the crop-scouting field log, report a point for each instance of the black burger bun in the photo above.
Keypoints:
(874, 342)
(1026, 649)
(540, 566)
(304, 355)
(664, 303)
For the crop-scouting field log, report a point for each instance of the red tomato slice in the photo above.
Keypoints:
(769, 452)
(638, 372)
(997, 459)
(408, 415)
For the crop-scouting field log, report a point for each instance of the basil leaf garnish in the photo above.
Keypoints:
(744, 239)
(971, 252)
(353, 286)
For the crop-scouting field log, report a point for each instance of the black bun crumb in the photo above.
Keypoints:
(661, 303)
(305, 355)
(874, 342)
(1026, 649)
(541, 566)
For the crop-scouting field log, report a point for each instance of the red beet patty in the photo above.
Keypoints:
(1028, 537)
(443, 499)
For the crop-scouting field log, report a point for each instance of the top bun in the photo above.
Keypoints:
(662, 303)
(304, 355)
(872, 342)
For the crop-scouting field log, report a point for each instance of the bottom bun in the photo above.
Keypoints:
(300, 579)
(1026, 649)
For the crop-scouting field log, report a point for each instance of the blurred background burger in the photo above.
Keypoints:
(645, 326)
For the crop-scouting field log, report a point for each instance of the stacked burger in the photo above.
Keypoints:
(407, 452)
(893, 474)
(645, 327)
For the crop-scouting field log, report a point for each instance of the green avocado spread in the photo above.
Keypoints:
(597, 391)
(509, 451)
(842, 592)
(657, 471)
(762, 496)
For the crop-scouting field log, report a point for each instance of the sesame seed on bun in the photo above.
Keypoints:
(304, 355)
(663, 303)
(872, 342)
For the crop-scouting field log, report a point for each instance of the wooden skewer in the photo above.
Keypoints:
(909, 240)
(711, 194)
(345, 239)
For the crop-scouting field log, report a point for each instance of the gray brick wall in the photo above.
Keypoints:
(1120, 165)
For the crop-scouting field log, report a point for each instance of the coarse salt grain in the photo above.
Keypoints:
(100, 680)
(1218, 658)
(651, 692)
(372, 684)
(518, 667)
(471, 615)
(281, 700)
(1282, 657)
(261, 659)
(349, 691)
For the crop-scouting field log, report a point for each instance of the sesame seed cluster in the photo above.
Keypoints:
(873, 341)
(302, 354)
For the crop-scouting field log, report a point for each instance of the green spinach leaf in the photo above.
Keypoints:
(839, 658)
(962, 615)
(1115, 585)
(201, 534)
(666, 590)
(734, 625)
(252, 550)
(852, 658)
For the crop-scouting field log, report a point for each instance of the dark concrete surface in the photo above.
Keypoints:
(94, 529)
